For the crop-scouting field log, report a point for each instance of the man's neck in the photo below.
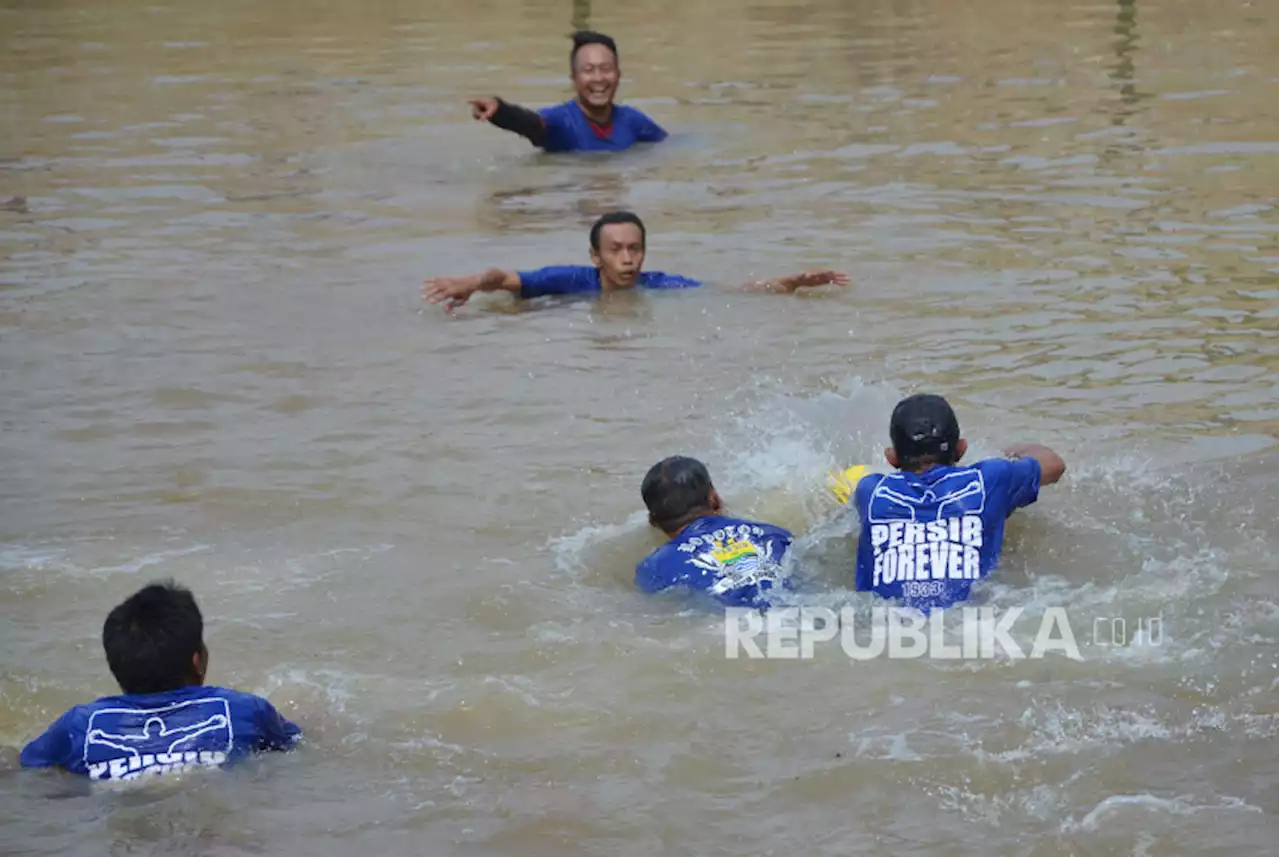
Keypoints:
(598, 115)
(607, 285)
(923, 469)
(689, 523)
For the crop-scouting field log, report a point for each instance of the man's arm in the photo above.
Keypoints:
(648, 131)
(275, 732)
(1052, 467)
(511, 117)
(805, 279)
(52, 749)
(453, 292)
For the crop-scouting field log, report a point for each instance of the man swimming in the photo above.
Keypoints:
(735, 561)
(618, 243)
(588, 122)
(934, 528)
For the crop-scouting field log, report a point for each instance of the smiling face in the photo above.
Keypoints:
(620, 255)
(596, 76)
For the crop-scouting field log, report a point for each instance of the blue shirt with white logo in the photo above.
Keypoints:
(735, 561)
(568, 129)
(928, 537)
(128, 736)
(581, 279)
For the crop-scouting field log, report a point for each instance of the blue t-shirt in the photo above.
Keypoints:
(124, 737)
(734, 561)
(579, 279)
(569, 129)
(927, 537)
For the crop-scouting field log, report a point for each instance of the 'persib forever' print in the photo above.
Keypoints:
(124, 743)
(931, 536)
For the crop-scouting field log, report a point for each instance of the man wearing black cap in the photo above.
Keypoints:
(932, 529)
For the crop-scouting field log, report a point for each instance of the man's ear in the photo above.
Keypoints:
(714, 503)
(961, 448)
(200, 662)
(891, 456)
(595, 257)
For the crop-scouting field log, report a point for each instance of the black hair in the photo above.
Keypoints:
(151, 636)
(582, 38)
(616, 217)
(676, 490)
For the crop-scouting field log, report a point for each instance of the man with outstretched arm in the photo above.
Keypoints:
(588, 122)
(617, 249)
(935, 527)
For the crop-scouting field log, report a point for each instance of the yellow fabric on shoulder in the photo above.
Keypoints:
(842, 484)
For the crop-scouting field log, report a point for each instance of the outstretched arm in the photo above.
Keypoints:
(791, 282)
(511, 117)
(1052, 467)
(454, 291)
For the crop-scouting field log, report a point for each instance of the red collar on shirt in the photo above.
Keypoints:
(605, 131)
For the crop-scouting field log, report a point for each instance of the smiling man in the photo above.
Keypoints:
(589, 122)
(617, 256)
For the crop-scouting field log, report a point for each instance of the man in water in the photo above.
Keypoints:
(934, 528)
(735, 561)
(617, 253)
(589, 122)
(167, 720)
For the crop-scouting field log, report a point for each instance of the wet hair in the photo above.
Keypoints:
(676, 490)
(150, 639)
(582, 38)
(616, 217)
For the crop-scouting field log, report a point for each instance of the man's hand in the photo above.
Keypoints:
(802, 280)
(484, 109)
(1052, 467)
(452, 291)
(808, 279)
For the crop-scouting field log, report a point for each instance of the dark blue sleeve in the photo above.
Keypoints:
(862, 493)
(559, 129)
(274, 731)
(647, 578)
(661, 280)
(1024, 482)
(644, 128)
(1018, 481)
(52, 749)
(557, 280)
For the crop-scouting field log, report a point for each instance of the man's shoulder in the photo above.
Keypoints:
(628, 113)
(190, 695)
(1000, 468)
(563, 110)
(721, 527)
(663, 280)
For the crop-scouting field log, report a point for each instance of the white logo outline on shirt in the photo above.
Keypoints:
(147, 752)
(931, 495)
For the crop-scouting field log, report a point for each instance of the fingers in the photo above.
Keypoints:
(483, 108)
(436, 291)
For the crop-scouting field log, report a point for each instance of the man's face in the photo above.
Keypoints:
(620, 255)
(595, 75)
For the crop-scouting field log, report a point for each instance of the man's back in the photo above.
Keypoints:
(734, 560)
(127, 736)
(927, 537)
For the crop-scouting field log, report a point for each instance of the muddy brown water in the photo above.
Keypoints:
(415, 534)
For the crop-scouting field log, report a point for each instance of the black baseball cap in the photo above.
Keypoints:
(924, 425)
